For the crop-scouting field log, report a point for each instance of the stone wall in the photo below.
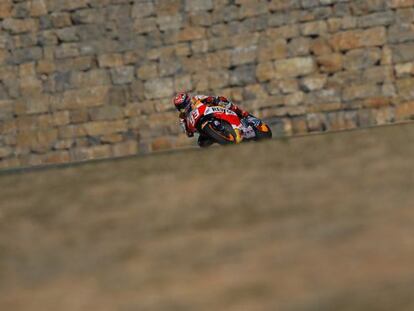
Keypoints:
(86, 79)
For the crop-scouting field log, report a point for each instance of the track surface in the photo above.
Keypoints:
(313, 223)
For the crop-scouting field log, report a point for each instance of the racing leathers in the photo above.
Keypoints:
(204, 141)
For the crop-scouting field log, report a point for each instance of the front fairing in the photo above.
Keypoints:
(202, 112)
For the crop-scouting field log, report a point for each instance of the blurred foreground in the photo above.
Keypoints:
(313, 223)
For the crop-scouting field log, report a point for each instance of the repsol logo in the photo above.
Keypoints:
(218, 109)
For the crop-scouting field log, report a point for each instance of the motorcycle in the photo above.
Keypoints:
(224, 126)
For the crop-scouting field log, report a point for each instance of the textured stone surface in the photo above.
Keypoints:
(79, 66)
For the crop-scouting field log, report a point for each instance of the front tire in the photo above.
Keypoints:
(222, 132)
(263, 131)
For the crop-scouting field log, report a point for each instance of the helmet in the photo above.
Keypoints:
(182, 101)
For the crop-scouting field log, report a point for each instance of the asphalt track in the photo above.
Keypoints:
(323, 222)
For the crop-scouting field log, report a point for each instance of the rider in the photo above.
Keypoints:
(183, 103)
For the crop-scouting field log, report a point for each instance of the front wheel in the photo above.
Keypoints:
(221, 132)
(263, 131)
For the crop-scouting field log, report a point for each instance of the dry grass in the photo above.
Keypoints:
(316, 223)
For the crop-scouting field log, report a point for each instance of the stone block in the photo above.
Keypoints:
(191, 33)
(5, 152)
(81, 63)
(272, 50)
(38, 8)
(7, 108)
(282, 5)
(60, 118)
(18, 26)
(316, 122)
(6, 8)
(401, 3)
(183, 83)
(294, 67)
(67, 5)
(354, 39)
(10, 163)
(162, 143)
(143, 9)
(147, 71)
(255, 91)
(67, 50)
(159, 88)
(286, 32)
(45, 67)
(71, 131)
(110, 60)
(60, 19)
(405, 89)
(41, 103)
(313, 83)
(299, 47)
(400, 33)
(402, 53)
(30, 86)
(91, 78)
(127, 148)
(294, 99)
(377, 19)
(299, 125)
(91, 153)
(68, 34)
(219, 59)
(169, 66)
(316, 28)
(361, 91)
(375, 102)
(362, 58)
(379, 74)
(111, 138)
(106, 113)
(349, 22)
(56, 157)
(45, 139)
(404, 111)
(218, 79)
(286, 86)
(384, 116)
(243, 55)
(404, 70)
(330, 63)
(88, 16)
(83, 98)
(253, 8)
(345, 78)
(122, 75)
(243, 75)
(199, 18)
(98, 128)
(145, 25)
(169, 22)
(320, 46)
(367, 6)
(24, 55)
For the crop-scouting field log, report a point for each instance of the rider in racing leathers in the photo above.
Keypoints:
(183, 101)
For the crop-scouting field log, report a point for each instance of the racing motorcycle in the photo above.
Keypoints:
(224, 126)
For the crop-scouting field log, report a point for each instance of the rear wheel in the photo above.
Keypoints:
(221, 132)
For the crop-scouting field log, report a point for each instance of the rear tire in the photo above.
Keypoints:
(224, 135)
